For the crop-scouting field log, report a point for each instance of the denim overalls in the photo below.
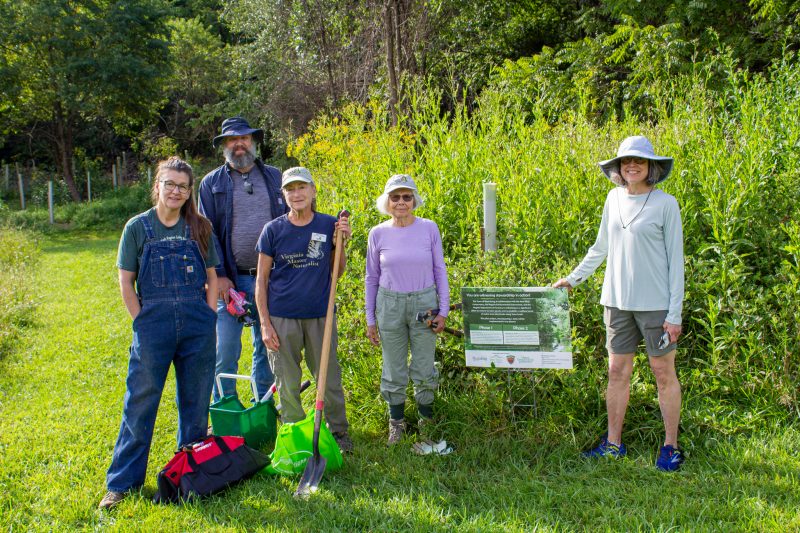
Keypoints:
(175, 326)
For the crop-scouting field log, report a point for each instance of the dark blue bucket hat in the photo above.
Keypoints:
(236, 126)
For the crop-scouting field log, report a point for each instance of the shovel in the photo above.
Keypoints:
(315, 467)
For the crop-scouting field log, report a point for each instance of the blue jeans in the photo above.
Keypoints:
(229, 344)
(182, 334)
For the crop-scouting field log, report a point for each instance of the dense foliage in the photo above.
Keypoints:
(19, 253)
(735, 179)
(89, 79)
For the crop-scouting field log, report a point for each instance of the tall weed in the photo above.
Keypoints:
(735, 178)
(19, 253)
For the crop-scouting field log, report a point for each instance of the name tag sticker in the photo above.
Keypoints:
(319, 237)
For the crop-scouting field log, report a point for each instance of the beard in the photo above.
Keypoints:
(242, 161)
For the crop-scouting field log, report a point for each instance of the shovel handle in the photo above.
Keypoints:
(322, 378)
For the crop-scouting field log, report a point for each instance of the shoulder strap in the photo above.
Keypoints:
(148, 227)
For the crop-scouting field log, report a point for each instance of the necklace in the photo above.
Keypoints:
(619, 210)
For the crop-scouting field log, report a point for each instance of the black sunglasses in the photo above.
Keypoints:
(405, 197)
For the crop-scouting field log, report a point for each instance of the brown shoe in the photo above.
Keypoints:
(396, 430)
(111, 499)
(344, 441)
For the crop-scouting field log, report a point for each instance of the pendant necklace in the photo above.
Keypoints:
(619, 210)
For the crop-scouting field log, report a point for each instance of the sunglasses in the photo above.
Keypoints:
(405, 197)
(629, 160)
(248, 185)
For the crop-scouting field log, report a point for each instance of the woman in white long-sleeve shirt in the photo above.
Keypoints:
(641, 238)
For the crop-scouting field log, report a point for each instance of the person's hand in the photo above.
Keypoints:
(562, 284)
(437, 324)
(223, 284)
(343, 225)
(372, 335)
(269, 336)
(674, 331)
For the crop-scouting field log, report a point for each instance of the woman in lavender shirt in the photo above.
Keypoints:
(406, 274)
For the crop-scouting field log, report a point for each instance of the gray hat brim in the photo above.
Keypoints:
(613, 164)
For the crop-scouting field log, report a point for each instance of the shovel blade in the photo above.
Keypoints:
(312, 475)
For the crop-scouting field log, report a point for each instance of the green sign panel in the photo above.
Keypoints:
(517, 327)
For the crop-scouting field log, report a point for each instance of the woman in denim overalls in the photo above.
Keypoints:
(169, 254)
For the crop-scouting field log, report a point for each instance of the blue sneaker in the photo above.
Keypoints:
(606, 449)
(669, 459)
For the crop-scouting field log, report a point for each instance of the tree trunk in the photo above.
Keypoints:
(324, 49)
(389, 32)
(64, 145)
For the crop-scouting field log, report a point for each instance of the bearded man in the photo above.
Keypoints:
(239, 198)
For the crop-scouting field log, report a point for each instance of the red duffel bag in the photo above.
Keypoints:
(206, 467)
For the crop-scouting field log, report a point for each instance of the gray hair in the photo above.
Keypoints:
(382, 203)
(654, 173)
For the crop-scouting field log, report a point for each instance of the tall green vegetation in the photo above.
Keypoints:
(19, 253)
(735, 179)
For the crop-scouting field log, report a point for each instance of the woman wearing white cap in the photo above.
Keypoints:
(406, 274)
(292, 288)
(641, 237)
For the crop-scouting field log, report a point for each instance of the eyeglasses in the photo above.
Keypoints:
(248, 185)
(629, 160)
(405, 197)
(169, 186)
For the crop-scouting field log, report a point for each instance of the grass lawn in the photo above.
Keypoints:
(60, 405)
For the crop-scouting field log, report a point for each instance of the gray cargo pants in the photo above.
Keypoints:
(301, 337)
(396, 316)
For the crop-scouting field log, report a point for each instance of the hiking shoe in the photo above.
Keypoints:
(670, 458)
(344, 441)
(111, 499)
(606, 449)
(396, 430)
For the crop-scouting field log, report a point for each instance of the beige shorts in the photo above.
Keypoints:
(626, 329)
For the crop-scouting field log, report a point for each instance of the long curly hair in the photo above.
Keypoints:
(198, 224)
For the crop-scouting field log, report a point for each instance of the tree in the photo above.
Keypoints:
(74, 61)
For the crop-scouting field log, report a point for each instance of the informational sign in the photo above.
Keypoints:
(517, 327)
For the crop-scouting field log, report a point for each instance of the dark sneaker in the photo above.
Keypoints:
(344, 441)
(606, 449)
(396, 430)
(669, 459)
(111, 499)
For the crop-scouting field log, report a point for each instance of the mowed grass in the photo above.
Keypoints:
(60, 404)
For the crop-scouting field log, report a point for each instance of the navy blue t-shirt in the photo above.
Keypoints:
(301, 274)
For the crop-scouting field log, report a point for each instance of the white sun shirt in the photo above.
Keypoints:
(644, 270)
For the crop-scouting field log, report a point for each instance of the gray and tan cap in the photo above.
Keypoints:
(637, 146)
(294, 174)
(399, 181)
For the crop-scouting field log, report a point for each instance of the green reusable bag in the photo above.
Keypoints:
(295, 445)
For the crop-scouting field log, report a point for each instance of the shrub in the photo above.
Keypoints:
(19, 253)
(735, 178)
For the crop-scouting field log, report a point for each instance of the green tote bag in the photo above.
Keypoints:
(294, 446)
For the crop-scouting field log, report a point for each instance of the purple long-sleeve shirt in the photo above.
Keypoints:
(405, 259)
